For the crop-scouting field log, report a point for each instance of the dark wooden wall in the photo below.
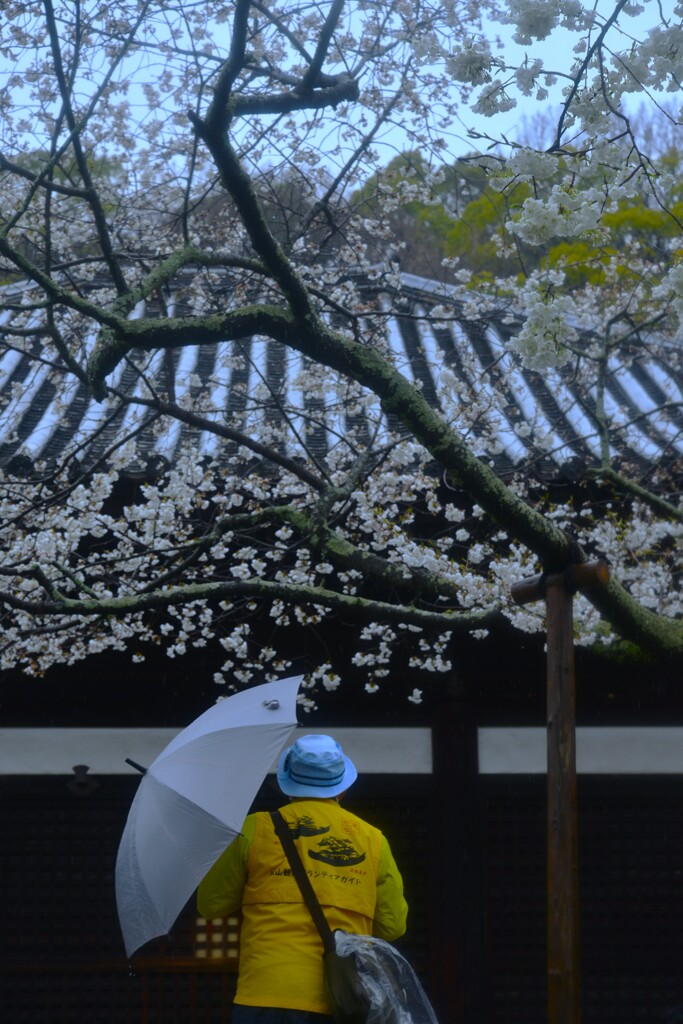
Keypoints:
(631, 898)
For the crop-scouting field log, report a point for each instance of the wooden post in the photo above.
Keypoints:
(562, 819)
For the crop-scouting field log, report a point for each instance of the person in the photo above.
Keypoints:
(351, 867)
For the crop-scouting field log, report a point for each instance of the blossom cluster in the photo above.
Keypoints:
(189, 482)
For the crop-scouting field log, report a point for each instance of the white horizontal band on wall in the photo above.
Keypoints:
(622, 750)
(636, 750)
(56, 751)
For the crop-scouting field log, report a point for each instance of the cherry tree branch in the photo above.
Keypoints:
(359, 608)
(648, 497)
(585, 63)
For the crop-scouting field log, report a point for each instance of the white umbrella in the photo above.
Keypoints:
(192, 802)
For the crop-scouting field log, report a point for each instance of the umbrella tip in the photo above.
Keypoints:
(273, 704)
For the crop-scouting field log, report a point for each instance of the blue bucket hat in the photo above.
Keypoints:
(315, 766)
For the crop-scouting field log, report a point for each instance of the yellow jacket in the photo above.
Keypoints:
(354, 876)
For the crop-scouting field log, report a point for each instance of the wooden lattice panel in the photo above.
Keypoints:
(631, 895)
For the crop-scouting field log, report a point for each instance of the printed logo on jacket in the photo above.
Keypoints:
(333, 850)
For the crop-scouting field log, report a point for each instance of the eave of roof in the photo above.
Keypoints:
(48, 417)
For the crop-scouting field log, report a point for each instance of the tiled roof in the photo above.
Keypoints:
(462, 365)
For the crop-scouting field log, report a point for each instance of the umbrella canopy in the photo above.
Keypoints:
(192, 802)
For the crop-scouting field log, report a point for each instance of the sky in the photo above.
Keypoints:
(556, 53)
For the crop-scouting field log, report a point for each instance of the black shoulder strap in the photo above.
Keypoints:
(299, 872)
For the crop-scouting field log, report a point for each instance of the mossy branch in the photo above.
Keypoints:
(649, 498)
(359, 608)
(178, 332)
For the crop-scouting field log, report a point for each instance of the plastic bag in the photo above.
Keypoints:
(394, 993)
(345, 989)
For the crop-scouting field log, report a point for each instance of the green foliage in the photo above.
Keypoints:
(636, 248)
(479, 238)
(438, 215)
(456, 217)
